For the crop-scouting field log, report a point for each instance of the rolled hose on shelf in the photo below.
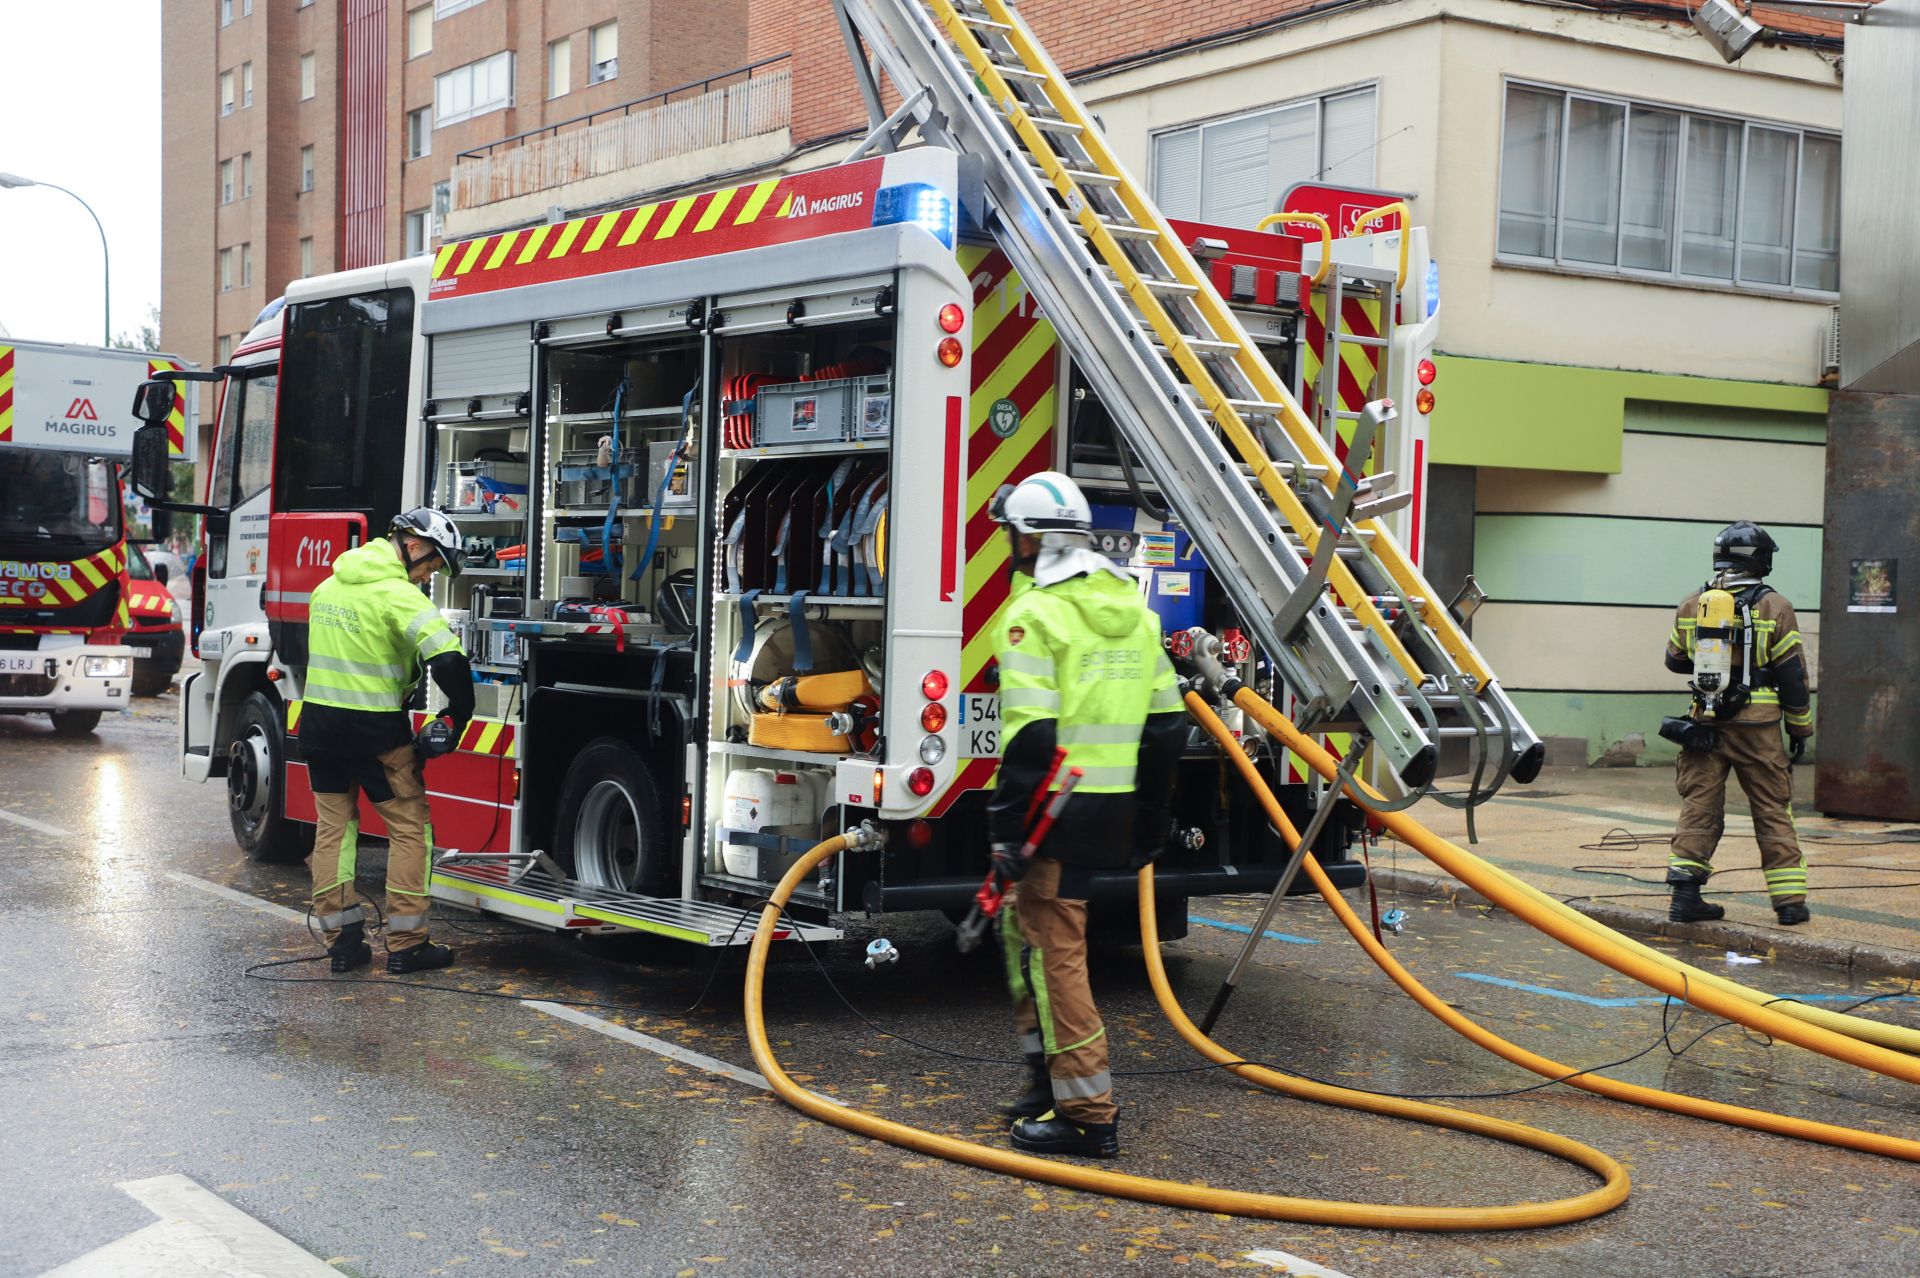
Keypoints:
(1611, 1193)
(1634, 1094)
(1783, 1020)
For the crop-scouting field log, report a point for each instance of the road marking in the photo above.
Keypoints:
(238, 898)
(671, 1050)
(1643, 1000)
(198, 1233)
(1244, 930)
(1291, 1265)
(32, 824)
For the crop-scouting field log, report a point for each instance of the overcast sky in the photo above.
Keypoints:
(79, 106)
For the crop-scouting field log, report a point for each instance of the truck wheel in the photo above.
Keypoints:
(257, 784)
(611, 830)
(74, 723)
(150, 678)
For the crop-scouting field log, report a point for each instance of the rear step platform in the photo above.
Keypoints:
(543, 898)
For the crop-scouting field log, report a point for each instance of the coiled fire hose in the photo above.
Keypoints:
(1749, 1008)
(1611, 1193)
(1652, 1098)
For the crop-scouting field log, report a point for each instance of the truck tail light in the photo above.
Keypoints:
(933, 717)
(1424, 401)
(933, 686)
(879, 785)
(952, 318)
(1426, 372)
(949, 351)
(920, 781)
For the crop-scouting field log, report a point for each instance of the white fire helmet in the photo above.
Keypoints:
(1050, 506)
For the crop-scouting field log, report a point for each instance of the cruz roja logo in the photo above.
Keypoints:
(81, 409)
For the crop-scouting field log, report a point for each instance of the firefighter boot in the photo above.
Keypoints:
(1052, 1134)
(1687, 906)
(1038, 1098)
(423, 957)
(350, 949)
(1790, 915)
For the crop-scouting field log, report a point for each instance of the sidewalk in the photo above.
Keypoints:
(1568, 834)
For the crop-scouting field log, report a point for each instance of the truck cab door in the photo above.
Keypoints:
(236, 555)
(302, 548)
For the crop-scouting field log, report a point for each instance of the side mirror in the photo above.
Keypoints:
(154, 401)
(150, 461)
(160, 573)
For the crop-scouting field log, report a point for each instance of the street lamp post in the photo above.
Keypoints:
(11, 180)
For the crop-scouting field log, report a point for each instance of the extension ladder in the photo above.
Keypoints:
(1357, 634)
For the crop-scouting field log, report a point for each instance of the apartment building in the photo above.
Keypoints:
(307, 136)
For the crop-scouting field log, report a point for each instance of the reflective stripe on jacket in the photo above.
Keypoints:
(1087, 654)
(370, 632)
(1776, 645)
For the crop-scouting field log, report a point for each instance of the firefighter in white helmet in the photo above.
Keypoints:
(371, 632)
(1081, 668)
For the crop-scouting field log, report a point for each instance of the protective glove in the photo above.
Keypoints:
(1795, 747)
(1008, 864)
(435, 738)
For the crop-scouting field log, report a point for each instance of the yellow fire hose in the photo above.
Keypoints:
(1173, 1193)
(1653, 1098)
(1594, 940)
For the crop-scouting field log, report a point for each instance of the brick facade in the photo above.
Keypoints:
(661, 46)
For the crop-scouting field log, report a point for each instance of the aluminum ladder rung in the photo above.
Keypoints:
(982, 22)
(1355, 339)
(1210, 345)
(1083, 177)
(1172, 288)
(1052, 124)
(1014, 71)
(1119, 230)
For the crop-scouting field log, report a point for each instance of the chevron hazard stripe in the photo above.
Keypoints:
(6, 394)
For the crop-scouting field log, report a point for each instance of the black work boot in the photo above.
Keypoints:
(1791, 915)
(1687, 906)
(1052, 1134)
(350, 949)
(423, 957)
(1038, 1098)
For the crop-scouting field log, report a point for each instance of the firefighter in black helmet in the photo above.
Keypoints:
(1740, 640)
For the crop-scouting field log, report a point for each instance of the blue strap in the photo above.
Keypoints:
(613, 486)
(876, 580)
(745, 650)
(834, 484)
(802, 641)
(733, 539)
(660, 493)
(780, 555)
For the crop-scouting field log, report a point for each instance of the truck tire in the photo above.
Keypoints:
(611, 824)
(257, 786)
(74, 723)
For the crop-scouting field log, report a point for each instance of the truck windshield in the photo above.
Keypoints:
(57, 497)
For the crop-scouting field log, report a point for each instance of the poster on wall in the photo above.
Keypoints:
(1872, 586)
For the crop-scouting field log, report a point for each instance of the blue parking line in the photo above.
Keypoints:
(1244, 930)
(1644, 1000)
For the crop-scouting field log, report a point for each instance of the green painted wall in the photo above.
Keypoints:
(1592, 559)
(1491, 412)
(1602, 718)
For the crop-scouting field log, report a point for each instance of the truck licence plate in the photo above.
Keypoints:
(142, 653)
(19, 662)
(979, 725)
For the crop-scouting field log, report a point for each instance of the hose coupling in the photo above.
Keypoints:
(880, 953)
(866, 837)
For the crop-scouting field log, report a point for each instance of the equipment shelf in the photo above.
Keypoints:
(807, 450)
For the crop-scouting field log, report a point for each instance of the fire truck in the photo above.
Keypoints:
(724, 463)
(65, 643)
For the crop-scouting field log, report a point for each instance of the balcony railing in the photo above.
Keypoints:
(743, 103)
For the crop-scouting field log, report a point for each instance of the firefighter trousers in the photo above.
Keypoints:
(1044, 936)
(1752, 752)
(394, 784)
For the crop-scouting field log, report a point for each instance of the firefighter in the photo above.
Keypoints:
(1081, 667)
(371, 630)
(1748, 673)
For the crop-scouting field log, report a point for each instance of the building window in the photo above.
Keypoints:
(246, 175)
(246, 84)
(442, 205)
(226, 270)
(246, 8)
(226, 93)
(441, 8)
(1610, 185)
(559, 67)
(604, 43)
(305, 4)
(246, 265)
(419, 31)
(226, 181)
(306, 168)
(1236, 171)
(223, 350)
(306, 76)
(226, 13)
(306, 256)
(418, 241)
(475, 89)
(419, 133)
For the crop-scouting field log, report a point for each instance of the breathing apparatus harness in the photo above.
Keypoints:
(1717, 695)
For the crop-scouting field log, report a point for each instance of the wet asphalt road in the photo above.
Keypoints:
(399, 1131)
